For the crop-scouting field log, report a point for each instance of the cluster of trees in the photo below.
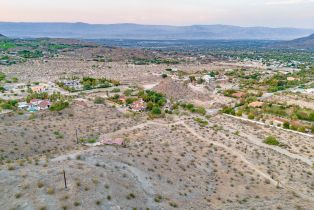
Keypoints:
(155, 101)
(33, 95)
(280, 82)
(291, 57)
(194, 109)
(92, 83)
(63, 86)
(11, 104)
(145, 61)
(292, 112)
(30, 54)
(300, 128)
(303, 114)
(59, 105)
(6, 44)
(286, 112)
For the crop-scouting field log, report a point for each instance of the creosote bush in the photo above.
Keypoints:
(271, 140)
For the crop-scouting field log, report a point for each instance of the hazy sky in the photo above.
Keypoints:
(296, 13)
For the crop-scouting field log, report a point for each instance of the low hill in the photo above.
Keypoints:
(3, 37)
(179, 91)
(301, 43)
(149, 32)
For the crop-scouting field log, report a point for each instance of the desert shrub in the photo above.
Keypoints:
(239, 113)
(130, 100)
(130, 196)
(128, 92)
(77, 203)
(11, 168)
(201, 122)
(58, 135)
(15, 79)
(229, 92)
(200, 110)
(302, 129)
(99, 100)
(251, 116)
(18, 195)
(286, 125)
(228, 110)
(50, 190)
(305, 115)
(158, 199)
(90, 140)
(173, 204)
(115, 90)
(40, 184)
(271, 140)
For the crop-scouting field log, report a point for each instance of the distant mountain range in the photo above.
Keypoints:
(300, 43)
(148, 32)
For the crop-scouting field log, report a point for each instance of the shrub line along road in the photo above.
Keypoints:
(274, 126)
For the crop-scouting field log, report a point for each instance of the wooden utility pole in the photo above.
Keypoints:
(77, 141)
(65, 180)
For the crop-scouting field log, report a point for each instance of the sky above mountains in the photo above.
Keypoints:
(274, 13)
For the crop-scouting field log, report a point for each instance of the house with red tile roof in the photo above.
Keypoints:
(45, 104)
(138, 105)
(122, 99)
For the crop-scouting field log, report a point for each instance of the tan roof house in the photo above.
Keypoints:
(256, 104)
(38, 88)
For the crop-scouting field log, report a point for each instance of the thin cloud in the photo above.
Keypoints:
(288, 2)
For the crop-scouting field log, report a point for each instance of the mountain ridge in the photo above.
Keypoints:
(149, 32)
(300, 43)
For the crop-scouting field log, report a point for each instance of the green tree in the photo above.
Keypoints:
(286, 125)
(156, 110)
